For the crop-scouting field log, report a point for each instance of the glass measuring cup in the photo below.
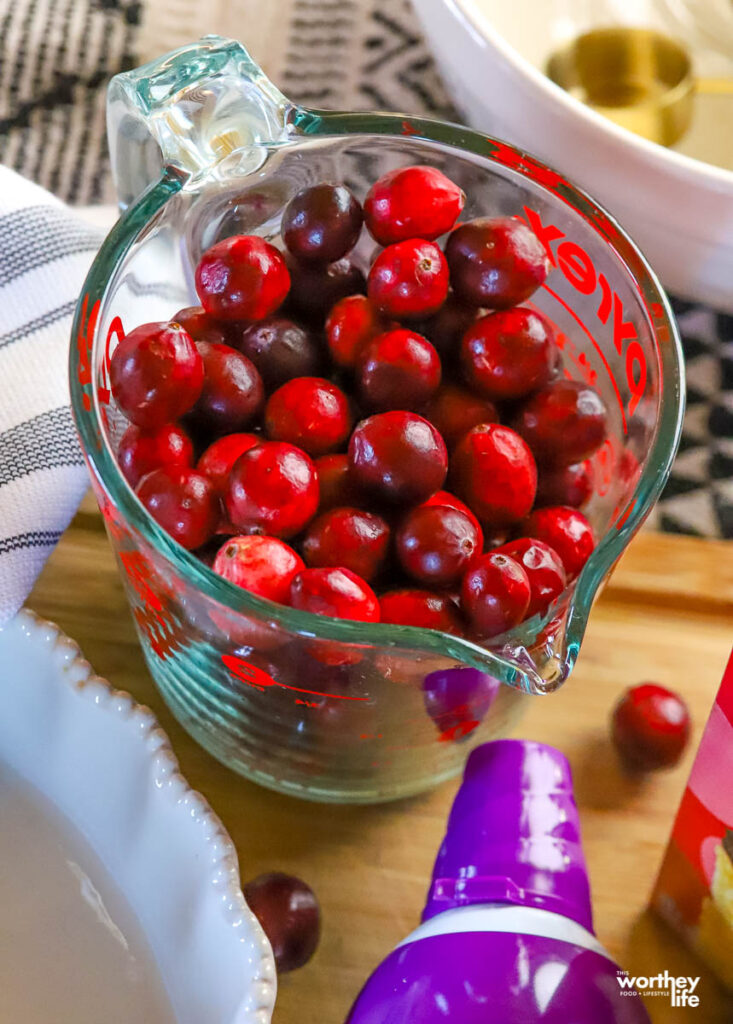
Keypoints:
(204, 146)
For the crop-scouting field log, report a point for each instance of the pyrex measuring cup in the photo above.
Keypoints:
(204, 146)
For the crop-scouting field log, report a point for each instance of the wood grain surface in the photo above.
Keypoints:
(666, 615)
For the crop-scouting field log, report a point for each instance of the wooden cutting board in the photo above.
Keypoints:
(667, 615)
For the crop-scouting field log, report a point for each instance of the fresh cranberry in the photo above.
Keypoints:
(564, 423)
(423, 609)
(309, 412)
(398, 370)
(409, 279)
(509, 354)
(398, 456)
(495, 474)
(412, 202)
(200, 325)
(435, 544)
(544, 569)
(322, 223)
(449, 500)
(142, 451)
(565, 485)
(232, 394)
(495, 262)
(183, 501)
(650, 727)
(218, 460)
(454, 411)
(315, 290)
(156, 374)
(458, 699)
(263, 565)
(336, 592)
(567, 532)
(495, 594)
(335, 482)
(290, 917)
(445, 329)
(348, 537)
(273, 488)
(352, 322)
(280, 349)
(242, 278)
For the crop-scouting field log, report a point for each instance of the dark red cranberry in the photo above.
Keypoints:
(544, 569)
(315, 290)
(398, 370)
(263, 565)
(398, 457)
(495, 594)
(183, 502)
(412, 202)
(435, 544)
(218, 460)
(335, 482)
(409, 279)
(156, 374)
(445, 329)
(322, 223)
(565, 485)
(336, 592)
(458, 699)
(495, 262)
(563, 423)
(142, 451)
(567, 532)
(423, 609)
(509, 354)
(348, 537)
(233, 392)
(309, 412)
(290, 917)
(201, 326)
(449, 500)
(495, 474)
(242, 278)
(280, 349)
(650, 727)
(352, 322)
(273, 488)
(455, 410)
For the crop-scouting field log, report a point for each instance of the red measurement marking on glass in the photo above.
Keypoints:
(117, 331)
(457, 732)
(256, 677)
(627, 512)
(408, 129)
(84, 338)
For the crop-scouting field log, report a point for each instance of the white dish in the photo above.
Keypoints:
(678, 209)
(117, 841)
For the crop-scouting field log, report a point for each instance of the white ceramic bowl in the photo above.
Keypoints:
(678, 209)
(107, 767)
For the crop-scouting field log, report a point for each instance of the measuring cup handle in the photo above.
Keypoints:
(186, 111)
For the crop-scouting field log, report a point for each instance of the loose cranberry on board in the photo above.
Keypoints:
(650, 727)
(290, 917)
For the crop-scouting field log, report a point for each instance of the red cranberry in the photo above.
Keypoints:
(335, 482)
(509, 354)
(435, 544)
(567, 532)
(309, 412)
(566, 485)
(242, 278)
(142, 451)
(544, 569)
(156, 374)
(650, 727)
(218, 460)
(348, 537)
(412, 202)
(352, 322)
(200, 325)
(422, 609)
(495, 474)
(409, 279)
(183, 502)
(445, 329)
(398, 370)
(273, 488)
(336, 592)
(398, 457)
(315, 290)
(280, 349)
(232, 394)
(290, 917)
(451, 501)
(454, 411)
(495, 594)
(263, 565)
(322, 223)
(563, 423)
(495, 262)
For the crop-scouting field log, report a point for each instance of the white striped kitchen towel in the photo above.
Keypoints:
(45, 251)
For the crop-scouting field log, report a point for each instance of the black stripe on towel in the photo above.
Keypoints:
(31, 326)
(43, 442)
(33, 539)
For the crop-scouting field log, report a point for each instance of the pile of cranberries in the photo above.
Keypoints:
(401, 446)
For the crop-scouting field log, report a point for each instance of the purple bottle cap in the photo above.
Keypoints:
(513, 835)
